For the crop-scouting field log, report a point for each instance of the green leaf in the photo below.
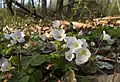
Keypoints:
(7, 50)
(2, 76)
(37, 75)
(38, 60)
(32, 79)
(15, 60)
(57, 42)
(30, 70)
(24, 79)
(85, 79)
(25, 62)
(36, 37)
(20, 74)
(17, 77)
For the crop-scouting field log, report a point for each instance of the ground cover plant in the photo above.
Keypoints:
(64, 54)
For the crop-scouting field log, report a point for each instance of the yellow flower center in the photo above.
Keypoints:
(82, 52)
(75, 44)
(10, 67)
(59, 36)
(17, 37)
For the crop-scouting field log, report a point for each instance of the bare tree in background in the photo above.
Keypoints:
(9, 6)
(39, 4)
(59, 7)
(44, 7)
(33, 6)
(70, 5)
(22, 2)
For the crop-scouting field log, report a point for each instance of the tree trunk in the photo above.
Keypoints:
(38, 4)
(9, 6)
(33, 6)
(44, 9)
(22, 2)
(59, 8)
(29, 3)
(71, 5)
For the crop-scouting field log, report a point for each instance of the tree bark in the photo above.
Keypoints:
(59, 8)
(9, 6)
(22, 2)
(29, 3)
(44, 5)
(33, 7)
(70, 6)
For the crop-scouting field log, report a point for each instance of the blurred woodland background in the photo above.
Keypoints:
(60, 9)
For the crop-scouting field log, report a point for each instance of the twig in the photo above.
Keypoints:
(98, 47)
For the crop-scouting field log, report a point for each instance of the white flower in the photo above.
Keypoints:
(26, 45)
(107, 38)
(69, 55)
(21, 40)
(78, 62)
(80, 33)
(73, 43)
(85, 44)
(56, 23)
(43, 37)
(9, 45)
(13, 42)
(7, 36)
(74, 27)
(18, 36)
(89, 32)
(5, 65)
(82, 55)
(68, 39)
(59, 34)
(92, 43)
(22, 34)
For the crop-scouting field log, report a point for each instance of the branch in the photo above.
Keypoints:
(25, 9)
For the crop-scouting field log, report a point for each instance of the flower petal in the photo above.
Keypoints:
(59, 34)
(69, 55)
(80, 62)
(13, 42)
(80, 33)
(7, 36)
(82, 55)
(62, 31)
(56, 24)
(21, 40)
(110, 41)
(5, 66)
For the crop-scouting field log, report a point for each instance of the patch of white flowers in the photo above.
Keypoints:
(77, 47)
(15, 37)
(107, 38)
(5, 65)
